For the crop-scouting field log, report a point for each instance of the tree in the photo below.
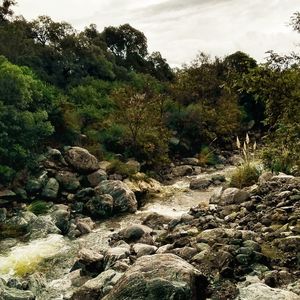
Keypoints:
(24, 124)
(6, 11)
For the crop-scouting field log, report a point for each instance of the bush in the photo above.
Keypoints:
(244, 175)
(38, 207)
(207, 157)
(121, 168)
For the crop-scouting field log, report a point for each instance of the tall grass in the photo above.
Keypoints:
(247, 173)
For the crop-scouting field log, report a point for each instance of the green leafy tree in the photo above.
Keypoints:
(24, 124)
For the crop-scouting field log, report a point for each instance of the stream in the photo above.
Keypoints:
(50, 259)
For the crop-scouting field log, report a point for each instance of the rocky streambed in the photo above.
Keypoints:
(192, 239)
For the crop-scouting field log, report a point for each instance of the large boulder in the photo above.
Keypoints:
(81, 160)
(260, 291)
(160, 276)
(233, 196)
(124, 198)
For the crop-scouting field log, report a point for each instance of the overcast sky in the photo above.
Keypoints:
(179, 29)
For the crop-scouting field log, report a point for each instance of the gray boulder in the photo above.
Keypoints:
(82, 160)
(7, 293)
(159, 276)
(124, 198)
(182, 170)
(233, 196)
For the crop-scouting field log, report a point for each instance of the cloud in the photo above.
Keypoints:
(179, 29)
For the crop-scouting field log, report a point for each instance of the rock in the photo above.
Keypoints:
(264, 177)
(33, 186)
(134, 165)
(199, 184)
(94, 289)
(233, 196)
(180, 171)
(85, 225)
(7, 293)
(190, 161)
(143, 185)
(3, 214)
(260, 291)
(122, 250)
(85, 194)
(124, 198)
(218, 178)
(81, 160)
(185, 253)
(50, 191)
(100, 206)
(95, 178)
(160, 276)
(68, 180)
(216, 196)
(143, 249)
(134, 232)
(290, 243)
(156, 221)
(61, 219)
(42, 226)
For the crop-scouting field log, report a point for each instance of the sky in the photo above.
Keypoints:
(180, 29)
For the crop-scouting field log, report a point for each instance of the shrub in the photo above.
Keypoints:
(247, 173)
(121, 168)
(207, 157)
(244, 175)
(38, 207)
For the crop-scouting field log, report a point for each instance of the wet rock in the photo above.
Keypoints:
(81, 160)
(160, 276)
(100, 206)
(263, 292)
(42, 226)
(143, 249)
(68, 180)
(85, 225)
(95, 178)
(199, 184)
(124, 198)
(7, 293)
(50, 191)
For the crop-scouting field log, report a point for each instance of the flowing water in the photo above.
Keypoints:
(54, 256)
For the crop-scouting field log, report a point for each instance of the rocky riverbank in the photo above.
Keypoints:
(194, 239)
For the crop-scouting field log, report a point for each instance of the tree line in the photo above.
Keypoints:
(106, 92)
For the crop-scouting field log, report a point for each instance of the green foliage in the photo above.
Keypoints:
(121, 168)
(38, 207)
(245, 175)
(207, 157)
(24, 122)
